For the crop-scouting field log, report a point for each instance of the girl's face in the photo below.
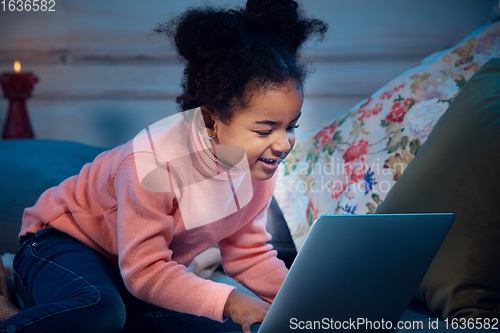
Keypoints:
(265, 129)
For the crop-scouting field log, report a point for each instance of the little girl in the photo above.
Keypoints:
(107, 249)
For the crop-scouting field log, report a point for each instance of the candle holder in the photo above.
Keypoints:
(17, 88)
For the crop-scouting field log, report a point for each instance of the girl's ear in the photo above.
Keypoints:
(208, 117)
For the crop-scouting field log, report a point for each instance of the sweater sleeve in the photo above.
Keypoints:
(252, 262)
(145, 229)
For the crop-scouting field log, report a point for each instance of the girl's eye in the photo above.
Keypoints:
(289, 129)
(264, 133)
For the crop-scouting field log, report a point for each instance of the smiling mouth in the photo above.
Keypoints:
(270, 161)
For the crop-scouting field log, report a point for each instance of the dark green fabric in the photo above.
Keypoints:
(29, 167)
(457, 170)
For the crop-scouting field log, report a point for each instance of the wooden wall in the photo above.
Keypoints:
(103, 77)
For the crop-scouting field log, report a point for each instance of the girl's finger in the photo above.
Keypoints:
(246, 326)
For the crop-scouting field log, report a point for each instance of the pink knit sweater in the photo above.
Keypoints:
(143, 232)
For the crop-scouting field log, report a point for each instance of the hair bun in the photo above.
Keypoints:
(206, 33)
(286, 7)
(232, 53)
(282, 19)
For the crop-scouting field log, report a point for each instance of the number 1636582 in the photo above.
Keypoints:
(28, 5)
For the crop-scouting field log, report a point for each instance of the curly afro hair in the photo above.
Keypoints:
(231, 53)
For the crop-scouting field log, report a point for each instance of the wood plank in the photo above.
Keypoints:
(153, 81)
(129, 81)
(104, 123)
(102, 78)
(109, 123)
(120, 30)
(397, 28)
(356, 79)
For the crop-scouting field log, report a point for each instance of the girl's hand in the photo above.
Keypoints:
(245, 310)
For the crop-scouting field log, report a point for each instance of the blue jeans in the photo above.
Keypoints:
(68, 287)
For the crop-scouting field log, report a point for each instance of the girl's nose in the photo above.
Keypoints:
(282, 143)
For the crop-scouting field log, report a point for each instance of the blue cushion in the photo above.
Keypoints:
(28, 168)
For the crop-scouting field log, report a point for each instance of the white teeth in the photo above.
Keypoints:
(266, 160)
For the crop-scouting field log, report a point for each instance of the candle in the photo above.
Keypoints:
(17, 87)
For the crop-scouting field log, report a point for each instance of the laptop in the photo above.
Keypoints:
(356, 272)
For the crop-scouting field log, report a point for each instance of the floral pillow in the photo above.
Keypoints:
(349, 165)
